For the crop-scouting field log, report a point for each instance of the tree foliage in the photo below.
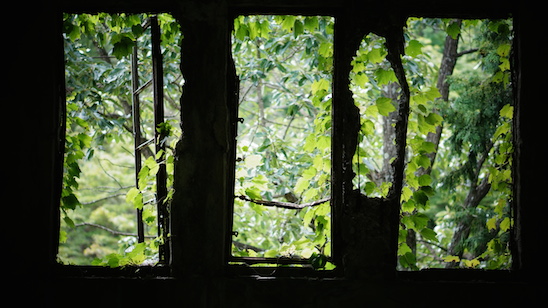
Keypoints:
(457, 192)
(99, 187)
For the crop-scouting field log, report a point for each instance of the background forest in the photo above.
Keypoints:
(456, 199)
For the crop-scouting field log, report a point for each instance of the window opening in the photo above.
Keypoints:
(119, 141)
(456, 197)
(283, 168)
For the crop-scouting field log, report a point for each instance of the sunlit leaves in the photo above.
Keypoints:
(507, 111)
(385, 76)
(413, 48)
(385, 106)
(453, 29)
(284, 64)
(98, 121)
(122, 45)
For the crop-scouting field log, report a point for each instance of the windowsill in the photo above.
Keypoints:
(247, 272)
(90, 271)
(275, 272)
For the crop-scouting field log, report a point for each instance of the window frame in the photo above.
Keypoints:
(242, 262)
(156, 84)
(338, 173)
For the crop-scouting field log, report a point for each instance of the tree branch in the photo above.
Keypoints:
(243, 246)
(465, 52)
(285, 205)
(105, 198)
(115, 232)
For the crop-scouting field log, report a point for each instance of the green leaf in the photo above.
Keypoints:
(408, 206)
(409, 260)
(507, 111)
(385, 105)
(471, 263)
(427, 147)
(385, 76)
(70, 201)
(311, 23)
(132, 194)
(113, 260)
(310, 194)
(309, 173)
(425, 180)
(504, 64)
(152, 165)
(429, 234)
(376, 55)
(420, 197)
(423, 161)
(321, 84)
(434, 119)
(123, 46)
(63, 236)
(272, 253)
(143, 177)
(253, 193)
(241, 31)
(318, 260)
(414, 48)
(138, 201)
(403, 249)
(69, 221)
(310, 143)
(360, 79)
(406, 193)
(288, 22)
(298, 28)
(504, 50)
(301, 185)
(451, 259)
(492, 223)
(505, 224)
(453, 30)
(420, 220)
(137, 255)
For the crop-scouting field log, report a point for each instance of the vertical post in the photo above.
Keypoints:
(160, 135)
(345, 127)
(199, 207)
(136, 113)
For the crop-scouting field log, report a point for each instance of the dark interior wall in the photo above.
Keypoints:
(34, 59)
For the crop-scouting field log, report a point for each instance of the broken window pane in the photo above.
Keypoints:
(283, 167)
(457, 188)
(100, 191)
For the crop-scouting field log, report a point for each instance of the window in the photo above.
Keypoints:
(336, 162)
(121, 122)
(283, 169)
(455, 209)
(455, 200)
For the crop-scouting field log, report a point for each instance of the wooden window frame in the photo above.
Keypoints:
(347, 31)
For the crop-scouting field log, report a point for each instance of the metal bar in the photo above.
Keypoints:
(144, 144)
(280, 260)
(136, 113)
(142, 88)
(161, 176)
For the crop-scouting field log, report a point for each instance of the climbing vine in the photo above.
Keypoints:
(459, 138)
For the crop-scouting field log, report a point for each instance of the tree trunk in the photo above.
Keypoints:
(447, 66)
(462, 230)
